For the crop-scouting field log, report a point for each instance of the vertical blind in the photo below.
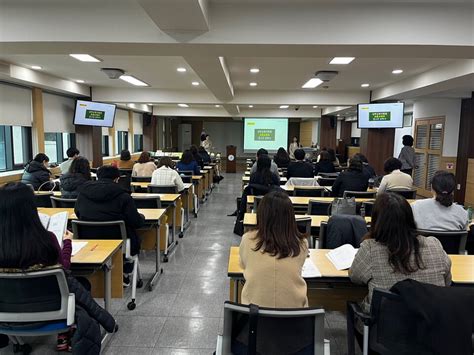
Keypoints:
(15, 106)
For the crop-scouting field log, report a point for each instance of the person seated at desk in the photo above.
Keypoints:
(272, 256)
(72, 153)
(145, 166)
(79, 173)
(440, 212)
(395, 179)
(273, 166)
(324, 165)
(188, 163)
(368, 170)
(206, 158)
(300, 168)
(393, 252)
(166, 175)
(125, 161)
(25, 245)
(264, 176)
(334, 158)
(281, 158)
(352, 179)
(104, 200)
(36, 172)
(197, 157)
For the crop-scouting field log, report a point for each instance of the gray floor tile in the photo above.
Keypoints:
(137, 331)
(127, 350)
(174, 351)
(151, 304)
(204, 284)
(197, 305)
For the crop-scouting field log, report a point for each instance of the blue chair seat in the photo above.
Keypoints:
(30, 329)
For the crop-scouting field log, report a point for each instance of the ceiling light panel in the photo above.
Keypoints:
(254, 70)
(86, 58)
(253, 84)
(284, 106)
(365, 85)
(195, 83)
(36, 67)
(132, 80)
(312, 83)
(397, 71)
(341, 60)
(181, 70)
(183, 105)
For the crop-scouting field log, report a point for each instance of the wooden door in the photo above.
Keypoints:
(429, 135)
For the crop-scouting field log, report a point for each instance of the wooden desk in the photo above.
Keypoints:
(101, 261)
(300, 200)
(333, 289)
(250, 219)
(246, 180)
(198, 181)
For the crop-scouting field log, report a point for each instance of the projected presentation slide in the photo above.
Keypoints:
(90, 113)
(268, 133)
(389, 115)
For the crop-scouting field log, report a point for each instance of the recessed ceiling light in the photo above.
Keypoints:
(217, 105)
(341, 60)
(183, 105)
(132, 80)
(86, 58)
(312, 83)
(36, 67)
(315, 106)
(195, 83)
(250, 106)
(253, 84)
(80, 81)
(365, 85)
(284, 106)
(150, 104)
(254, 70)
(397, 71)
(181, 70)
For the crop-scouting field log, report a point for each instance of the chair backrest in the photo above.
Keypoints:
(43, 199)
(147, 201)
(304, 226)
(408, 194)
(326, 181)
(329, 175)
(318, 208)
(453, 242)
(58, 202)
(33, 296)
(141, 178)
(395, 329)
(368, 206)
(322, 240)
(125, 172)
(162, 189)
(256, 201)
(309, 191)
(359, 194)
(125, 181)
(186, 172)
(278, 330)
(187, 179)
(297, 181)
(99, 230)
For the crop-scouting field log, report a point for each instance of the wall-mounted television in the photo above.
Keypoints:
(382, 115)
(90, 113)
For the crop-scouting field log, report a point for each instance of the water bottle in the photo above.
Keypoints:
(362, 211)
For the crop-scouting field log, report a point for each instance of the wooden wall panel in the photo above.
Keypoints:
(150, 130)
(293, 130)
(327, 133)
(469, 197)
(306, 133)
(38, 121)
(465, 150)
(89, 143)
(346, 130)
(377, 146)
(131, 140)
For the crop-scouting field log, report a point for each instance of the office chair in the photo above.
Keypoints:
(408, 194)
(43, 199)
(309, 191)
(35, 303)
(141, 178)
(329, 175)
(268, 331)
(340, 238)
(359, 194)
(147, 201)
(319, 208)
(58, 202)
(114, 230)
(453, 242)
(389, 328)
(326, 181)
(368, 207)
(125, 182)
(304, 226)
(162, 189)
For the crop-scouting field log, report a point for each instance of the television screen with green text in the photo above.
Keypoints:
(268, 133)
(384, 115)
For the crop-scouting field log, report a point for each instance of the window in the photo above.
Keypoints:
(15, 147)
(122, 141)
(57, 144)
(138, 142)
(105, 146)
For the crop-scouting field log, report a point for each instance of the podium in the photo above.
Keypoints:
(231, 164)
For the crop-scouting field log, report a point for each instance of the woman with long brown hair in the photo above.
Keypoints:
(392, 251)
(145, 166)
(272, 256)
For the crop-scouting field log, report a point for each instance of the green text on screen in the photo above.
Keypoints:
(268, 133)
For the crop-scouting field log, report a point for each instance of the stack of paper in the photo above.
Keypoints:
(342, 257)
(77, 246)
(310, 270)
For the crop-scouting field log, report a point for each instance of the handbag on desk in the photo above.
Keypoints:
(343, 206)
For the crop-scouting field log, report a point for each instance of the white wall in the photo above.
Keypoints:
(223, 134)
(338, 130)
(451, 110)
(121, 120)
(58, 113)
(355, 131)
(315, 132)
(15, 106)
(137, 123)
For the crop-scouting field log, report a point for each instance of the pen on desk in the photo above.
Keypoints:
(95, 246)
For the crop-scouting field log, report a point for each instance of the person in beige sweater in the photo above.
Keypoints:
(395, 178)
(272, 257)
(145, 166)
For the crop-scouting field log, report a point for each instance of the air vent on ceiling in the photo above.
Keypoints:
(326, 75)
(113, 73)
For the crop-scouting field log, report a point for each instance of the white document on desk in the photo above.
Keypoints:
(310, 270)
(77, 246)
(342, 257)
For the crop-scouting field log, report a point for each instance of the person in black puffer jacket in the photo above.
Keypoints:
(36, 172)
(79, 173)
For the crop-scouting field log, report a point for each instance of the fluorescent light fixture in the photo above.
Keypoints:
(250, 106)
(183, 105)
(255, 70)
(365, 85)
(86, 58)
(80, 81)
(150, 104)
(217, 105)
(397, 71)
(312, 83)
(132, 80)
(195, 83)
(315, 106)
(36, 67)
(253, 84)
(284, 106)
(341, 60)
(181, 70)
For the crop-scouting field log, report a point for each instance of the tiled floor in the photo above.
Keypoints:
(183, 315)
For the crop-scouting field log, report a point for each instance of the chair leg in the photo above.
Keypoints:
(366, 340)
(182, 223)
(132, 305)
(165, 257)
